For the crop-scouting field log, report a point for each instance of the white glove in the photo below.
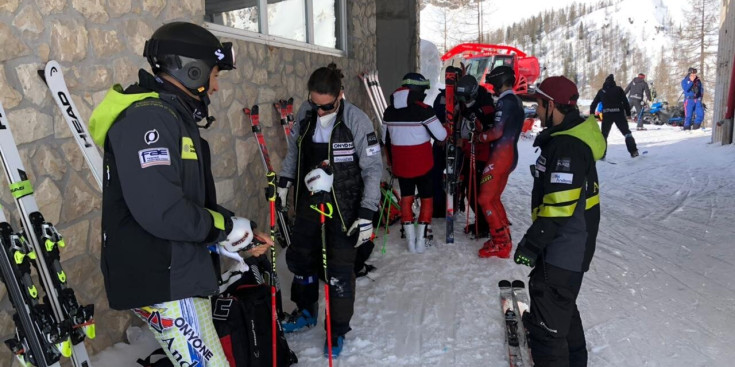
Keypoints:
(319, 179)
(366, 230)
(282, 193)
(240, 237)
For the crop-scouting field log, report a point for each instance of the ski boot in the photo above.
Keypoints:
(500, 245)
(410, 231)
(421, 238)
(298, 320)
(634, 154)
(337, 344)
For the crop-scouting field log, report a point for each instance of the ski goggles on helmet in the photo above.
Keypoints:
(222, 56)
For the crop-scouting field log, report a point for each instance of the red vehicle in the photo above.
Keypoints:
(480, 58)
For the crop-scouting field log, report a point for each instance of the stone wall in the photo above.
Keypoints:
(100, 42)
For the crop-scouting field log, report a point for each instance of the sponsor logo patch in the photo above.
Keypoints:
(373, 150)
(344, 152)
(349, 145)
(154, 157)
(347, 158)
(372, 139)
(562, 178)
(151, 136)
(188, 151)
(564, 164)
(154, 319)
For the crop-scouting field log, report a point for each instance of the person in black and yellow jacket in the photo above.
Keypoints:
(159, 205)
(560, 243)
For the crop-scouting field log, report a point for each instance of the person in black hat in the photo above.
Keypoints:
(411, 125)
(615, 108)
(692, 88)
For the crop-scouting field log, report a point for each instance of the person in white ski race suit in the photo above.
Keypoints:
(411, 124)
(159, 209)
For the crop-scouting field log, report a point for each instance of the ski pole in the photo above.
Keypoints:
(270, 193)
(388, 195)
(322, 221)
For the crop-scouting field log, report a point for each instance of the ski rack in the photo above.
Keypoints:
(54, 79)
(59, 296)
(375, 93)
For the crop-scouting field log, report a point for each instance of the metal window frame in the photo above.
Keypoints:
(263, 36)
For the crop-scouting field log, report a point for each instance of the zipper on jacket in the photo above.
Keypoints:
(298, 165)
(331, 161)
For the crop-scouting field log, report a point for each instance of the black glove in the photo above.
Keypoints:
(526, 253)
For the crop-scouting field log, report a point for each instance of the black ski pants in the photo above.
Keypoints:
(618, 118)
(304, 260)
(556, 334)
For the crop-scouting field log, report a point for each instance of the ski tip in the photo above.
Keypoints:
(504, 283)
(518, 284)
(290, 100)
(246, 111)
(254, 109)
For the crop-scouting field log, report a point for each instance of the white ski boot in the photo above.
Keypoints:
(421, 238)
(410, 232)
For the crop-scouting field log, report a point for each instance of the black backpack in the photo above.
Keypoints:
(242, 318)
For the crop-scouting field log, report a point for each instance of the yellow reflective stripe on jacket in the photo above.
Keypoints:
(557, 211)
(219, 219)
(562, 196)
(592, 201)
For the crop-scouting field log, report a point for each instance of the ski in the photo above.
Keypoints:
(285, 110)
(45, 241)
(522, 304)
(510, 314)
(38, 339)
(284, 228)
(452, 152)
(54, 79)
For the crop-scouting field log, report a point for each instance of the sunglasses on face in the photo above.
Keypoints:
(323, 107)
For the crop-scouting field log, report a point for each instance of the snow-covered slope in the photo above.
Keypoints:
(660, 292)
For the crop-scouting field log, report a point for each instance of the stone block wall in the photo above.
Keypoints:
(99, 43)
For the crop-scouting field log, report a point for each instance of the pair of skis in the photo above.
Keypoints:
(375, 92)
(452, 152)
(285, 110)
(58, 326)
(514, 303)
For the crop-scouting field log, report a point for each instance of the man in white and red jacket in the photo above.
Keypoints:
(410, 126)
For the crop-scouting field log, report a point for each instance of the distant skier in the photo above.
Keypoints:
(636, 90)
(692, 88)
(560, 243)
(159, 205)
(411, 124)
(502, 135)
(615, 108)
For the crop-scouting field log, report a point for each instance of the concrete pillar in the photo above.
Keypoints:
(398, 41)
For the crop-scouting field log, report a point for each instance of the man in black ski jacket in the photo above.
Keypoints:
(566, 214)
(159, 210)
(615, 108)
(636, 90)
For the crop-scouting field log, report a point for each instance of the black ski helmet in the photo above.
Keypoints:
(500, 76)
(415, 81)
(188, 52)
(467, 88)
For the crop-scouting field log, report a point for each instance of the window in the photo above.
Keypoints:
(310, 25)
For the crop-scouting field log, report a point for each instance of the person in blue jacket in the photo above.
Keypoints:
(693, 107)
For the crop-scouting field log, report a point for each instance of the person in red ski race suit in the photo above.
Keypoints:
(503, 136)
(411, 124)
(477, 111)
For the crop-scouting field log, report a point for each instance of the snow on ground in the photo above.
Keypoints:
(660, 292)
